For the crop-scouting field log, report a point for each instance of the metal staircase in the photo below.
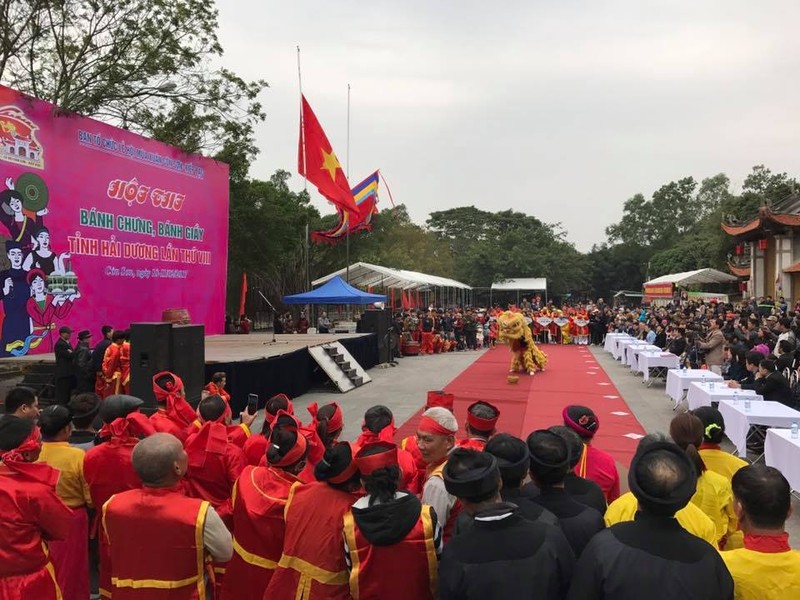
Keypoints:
(340, 366)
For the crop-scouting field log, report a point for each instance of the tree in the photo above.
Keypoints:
(139, 64)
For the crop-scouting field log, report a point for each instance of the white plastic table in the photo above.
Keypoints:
(622, 344)
(678, 381)
(611, 341)
(656, 360)
(738, 420)
(783, 452)
(633, 351)
(701, 394)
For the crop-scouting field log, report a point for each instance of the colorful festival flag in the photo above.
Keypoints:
(317, 162)
(365, 195)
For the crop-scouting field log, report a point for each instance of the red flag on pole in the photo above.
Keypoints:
(317, 162)
(243, 297)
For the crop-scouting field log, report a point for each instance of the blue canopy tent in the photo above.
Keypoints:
(335, 291)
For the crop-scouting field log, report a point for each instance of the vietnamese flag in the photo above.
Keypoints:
(317, 162)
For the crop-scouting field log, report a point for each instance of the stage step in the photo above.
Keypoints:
(339, 365)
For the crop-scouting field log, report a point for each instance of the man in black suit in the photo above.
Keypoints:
(65, 372)
(769, 383)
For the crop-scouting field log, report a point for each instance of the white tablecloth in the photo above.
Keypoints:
(651, 360)
(783, 453)
(611, 341)
(633, 351)
(701, 394)
(622, 344)
(678, 380)
(767, 413)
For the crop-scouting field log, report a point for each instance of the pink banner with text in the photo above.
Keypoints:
(102, 227)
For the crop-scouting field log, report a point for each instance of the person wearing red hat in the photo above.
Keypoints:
(409, 444)
(259, 501)
(214, 461)
(33, 514)
(481, 422)
(174, 414)
(255, 448)
(594, 464)
(312, 564)
(436, 437)
(108, 467)
(386, 528)
(379, 426)
(328, 423)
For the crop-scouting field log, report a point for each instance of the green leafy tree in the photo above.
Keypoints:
(140, 64)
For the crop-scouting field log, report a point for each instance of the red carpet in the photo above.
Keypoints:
(572, 376)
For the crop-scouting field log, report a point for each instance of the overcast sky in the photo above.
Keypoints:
(561, 110)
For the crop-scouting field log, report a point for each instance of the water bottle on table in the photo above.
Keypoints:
(747, 404)
(794, 430)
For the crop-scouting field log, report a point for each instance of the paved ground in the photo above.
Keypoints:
(402, 388)
(654, 410)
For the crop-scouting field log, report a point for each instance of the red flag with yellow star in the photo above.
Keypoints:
(317, 162)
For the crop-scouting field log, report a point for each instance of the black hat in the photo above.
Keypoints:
(117, 406)
(512, 454)
(662, 501)
(475, 482)
(65, 329)
(84, 334)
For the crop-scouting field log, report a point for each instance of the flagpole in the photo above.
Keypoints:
(302, 131)
(347, 168)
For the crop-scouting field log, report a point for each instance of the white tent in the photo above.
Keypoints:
(533, 284)
(698, 277)
(530, 284)
(366, 275)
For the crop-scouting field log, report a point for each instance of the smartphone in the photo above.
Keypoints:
(252, 403)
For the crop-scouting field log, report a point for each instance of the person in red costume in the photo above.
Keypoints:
(160, 539)
(312, 564)
(174, 414)
(255, 448)
(594, 464)
(409, 444)
(125, 364)
(481, 423)
(259, 501)
(389, 527)
(214, 461)
(33, 514)
(108, 468)
(436, 437)
(379, 426)
(325, 428)
(238, 434)
(112, 367)
(216, 387)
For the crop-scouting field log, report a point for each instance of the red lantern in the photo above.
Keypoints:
(763, 244)
(739, 249)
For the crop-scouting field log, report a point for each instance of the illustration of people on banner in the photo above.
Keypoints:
(39, 287)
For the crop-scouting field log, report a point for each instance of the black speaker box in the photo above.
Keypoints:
(377, 321)
(157, 347)
(189, 358)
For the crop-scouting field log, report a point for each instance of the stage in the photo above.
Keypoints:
(254, 364)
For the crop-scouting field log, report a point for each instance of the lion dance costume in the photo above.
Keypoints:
(514, 331)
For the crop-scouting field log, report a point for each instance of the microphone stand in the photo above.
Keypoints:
(274, 312)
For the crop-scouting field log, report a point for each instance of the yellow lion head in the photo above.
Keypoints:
(512, 326)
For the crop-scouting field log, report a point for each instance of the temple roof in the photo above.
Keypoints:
(771, 218)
